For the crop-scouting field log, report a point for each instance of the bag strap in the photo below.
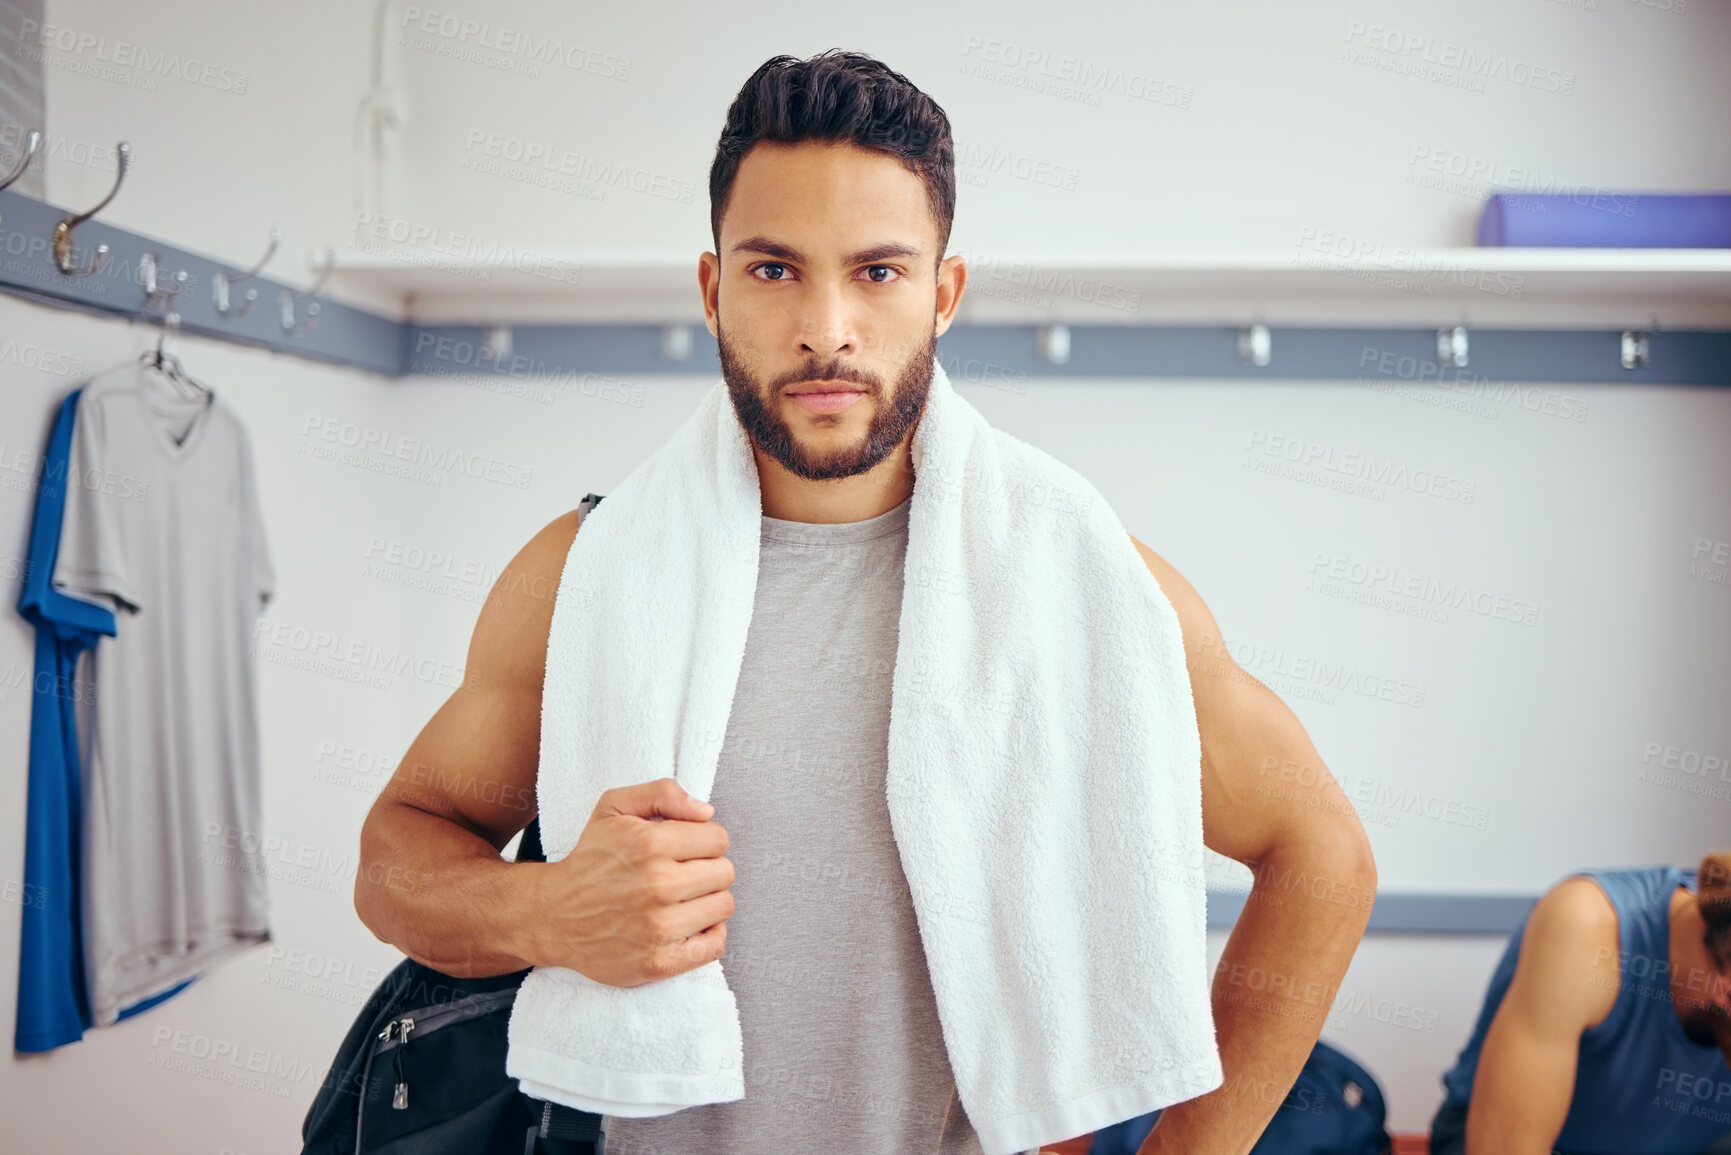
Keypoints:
(529, 850)
(558, 1122)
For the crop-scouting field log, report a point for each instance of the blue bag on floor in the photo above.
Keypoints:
(1334, 1108)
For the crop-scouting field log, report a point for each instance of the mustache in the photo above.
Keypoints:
(866, 384)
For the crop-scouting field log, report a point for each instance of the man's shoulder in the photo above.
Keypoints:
(1577, 907)
(544, 555)
(1569, 952)
(517, 616)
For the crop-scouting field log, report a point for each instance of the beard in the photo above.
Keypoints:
(891, 421)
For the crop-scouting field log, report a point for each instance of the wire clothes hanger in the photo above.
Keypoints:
(162, 360)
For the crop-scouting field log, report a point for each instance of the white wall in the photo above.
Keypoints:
(1541, 728)
(1258, 124)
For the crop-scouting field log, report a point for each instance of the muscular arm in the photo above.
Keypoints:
(1270, 803)
(431, 880)
(1565, 981)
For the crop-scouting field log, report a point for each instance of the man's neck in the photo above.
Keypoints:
(788, 496)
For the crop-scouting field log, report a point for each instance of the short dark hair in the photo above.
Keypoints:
(838, 96)
(1713, 892)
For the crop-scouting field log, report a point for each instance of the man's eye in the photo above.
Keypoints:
(885, 268)
(772, 265)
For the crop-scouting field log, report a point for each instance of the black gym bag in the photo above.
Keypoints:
(422, 1072)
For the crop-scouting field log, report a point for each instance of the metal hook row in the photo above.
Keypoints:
(1256, 345)
(295, 321)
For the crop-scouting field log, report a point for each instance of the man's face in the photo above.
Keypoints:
(827, 277)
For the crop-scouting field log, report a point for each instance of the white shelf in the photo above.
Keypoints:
(1486, 287)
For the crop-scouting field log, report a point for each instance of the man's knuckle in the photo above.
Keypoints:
(646, 841)
(659, 886)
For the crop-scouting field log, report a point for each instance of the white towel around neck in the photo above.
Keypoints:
(1043, 779)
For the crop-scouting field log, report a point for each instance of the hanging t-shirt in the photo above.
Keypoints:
(53, 1008)
(163, 523)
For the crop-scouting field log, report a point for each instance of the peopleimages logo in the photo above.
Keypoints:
(1702, 1096)
(508, 42)
(1365, 467)
(1390, 365)
(357, 654)
(1008, 162)
(1471, 62)
(1067, 77)
(92, 51)
(29, 355)
(984, 268)
(1420, 270)
(1333, 573)
(548, 157)
(364, 442)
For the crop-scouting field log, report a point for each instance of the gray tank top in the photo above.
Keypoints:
(843, 1051)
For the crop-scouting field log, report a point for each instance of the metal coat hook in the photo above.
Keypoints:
(1053, 343)
(63, 255)
(1255, 345)
(291, 323)
(157, 296)
(221, 282)
(31, 144)
(676, 342)
(165, 342)
(1635, 348)
(1451, 346)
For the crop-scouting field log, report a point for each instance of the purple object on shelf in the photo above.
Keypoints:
(1601, 220)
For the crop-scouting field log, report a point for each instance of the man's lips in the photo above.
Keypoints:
(825, 387)
(826, 396)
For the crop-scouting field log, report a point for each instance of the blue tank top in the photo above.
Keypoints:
(1641, 1086)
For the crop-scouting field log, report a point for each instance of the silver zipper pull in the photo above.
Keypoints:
(400, 1096)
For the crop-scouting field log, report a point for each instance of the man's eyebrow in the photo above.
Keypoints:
(773, 248)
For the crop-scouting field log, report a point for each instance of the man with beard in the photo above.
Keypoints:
(832, 195)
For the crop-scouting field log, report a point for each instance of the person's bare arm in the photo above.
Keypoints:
(1565, 981)
(1270, 803)
(431, 880)
(637, 899)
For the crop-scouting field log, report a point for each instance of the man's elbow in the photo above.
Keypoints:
(1331, 854)
(1353, 862)
(370, 864)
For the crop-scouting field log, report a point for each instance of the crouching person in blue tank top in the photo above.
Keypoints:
(1607, 1026)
